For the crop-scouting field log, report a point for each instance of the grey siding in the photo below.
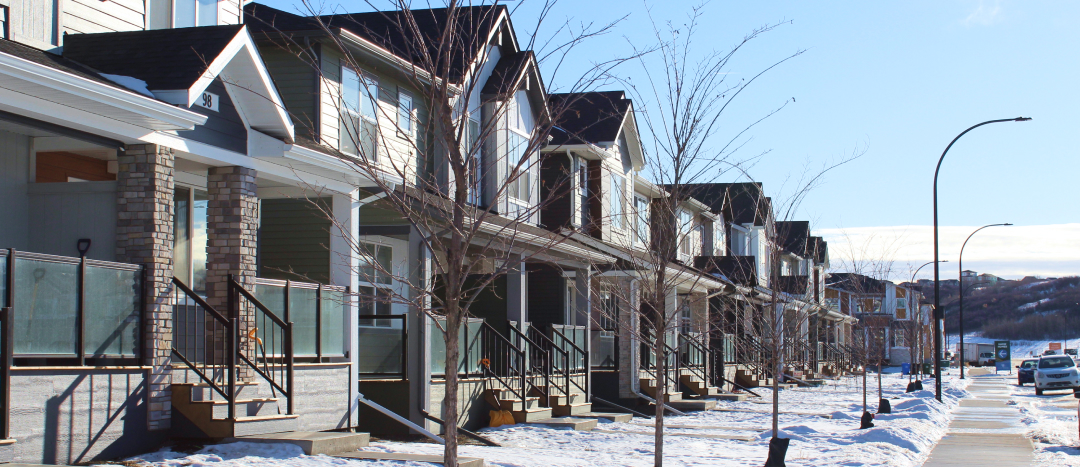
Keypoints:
(68, 416)
(324, 397)
(34, 20)
(14, 177)
(224, 128)
(62, 213)
(297, 84)
(294, 240)
(373, 215)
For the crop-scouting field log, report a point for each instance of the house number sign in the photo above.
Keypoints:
(208, 100)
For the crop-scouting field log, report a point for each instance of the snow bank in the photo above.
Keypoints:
(134, 84)
(822, 423)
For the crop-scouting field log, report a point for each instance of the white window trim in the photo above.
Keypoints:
(411, 119)
(615, 197)
(526, 173)
(641, 218)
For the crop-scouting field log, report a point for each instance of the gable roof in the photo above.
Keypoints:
(794, 236)
(740, 203)
(856, 283)
(178, 64)
(588, 117)
(474, 25)
(512, 73)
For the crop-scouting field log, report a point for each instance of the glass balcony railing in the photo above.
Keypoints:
(470, 347)
(317, 312)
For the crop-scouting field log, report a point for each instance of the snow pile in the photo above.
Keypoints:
(822, 423)
(1052, 424)
(134, 84)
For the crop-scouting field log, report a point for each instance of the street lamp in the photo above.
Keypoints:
(939, 314)
(918, 314)
(961, 268)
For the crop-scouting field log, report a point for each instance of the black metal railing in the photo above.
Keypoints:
(504, 361)
(558, 357)
(205, 341)
(538, 365)
(670, 357)
(383, 350)
(695, 356)
(72, 311)
(577, 358)
(268, 347)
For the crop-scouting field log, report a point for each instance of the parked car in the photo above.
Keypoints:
(1071, 352)
(1025, 373)
(1056, 372)
(986, 359)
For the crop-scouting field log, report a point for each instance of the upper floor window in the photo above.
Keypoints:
(405, 113)
(617, 202)
(582, 170)
(358, 131)
(166, 14)
(4, 21)
(472, 148)
(641, 212)
(719, 246)
(686, 227)
(517, 144)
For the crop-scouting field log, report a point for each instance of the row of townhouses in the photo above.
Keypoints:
(894, 323)
(189, 251)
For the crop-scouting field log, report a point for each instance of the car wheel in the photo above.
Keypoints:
(1038, 391)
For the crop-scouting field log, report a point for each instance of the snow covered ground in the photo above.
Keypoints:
(1052, 424)
(903, 438)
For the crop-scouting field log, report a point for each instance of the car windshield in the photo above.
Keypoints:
(1056, 362)
(1027, 365)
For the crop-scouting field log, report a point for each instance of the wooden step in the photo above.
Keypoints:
(201, 414)
(531, 415)
(568, 410)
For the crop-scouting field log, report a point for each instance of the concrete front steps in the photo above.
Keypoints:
(648, 386)
(525, 411)
(312, 442)
(699, 387)
(204, 414)
(562, 405)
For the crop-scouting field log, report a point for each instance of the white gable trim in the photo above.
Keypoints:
(241, 67)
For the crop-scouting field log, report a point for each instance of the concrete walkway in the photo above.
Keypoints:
(984, 430)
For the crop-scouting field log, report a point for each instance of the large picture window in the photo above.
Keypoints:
(359, 129)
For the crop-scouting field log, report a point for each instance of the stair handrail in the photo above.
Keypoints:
(236, 291)
(701, 371)
(530, 347)
(570, 354)
(227, 387)
(491, 337)
(550, 346)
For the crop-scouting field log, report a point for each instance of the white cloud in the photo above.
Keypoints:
(986, 14)
(1013, 252)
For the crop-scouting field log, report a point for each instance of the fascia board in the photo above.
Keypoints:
(562, 247)
(180, 119)
(334, 164)
(394, 60)
(587, 150)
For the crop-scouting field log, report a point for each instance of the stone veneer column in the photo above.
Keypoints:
(144, 235)
(232, 221)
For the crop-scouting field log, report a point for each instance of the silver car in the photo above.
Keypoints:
(1056, 372)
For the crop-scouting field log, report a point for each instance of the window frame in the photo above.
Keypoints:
(365, 112)
(514, 187)
(407, 125)
(617, 201)
(641, 219)
(381, 293)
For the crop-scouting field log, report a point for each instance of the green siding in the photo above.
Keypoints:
(294, 240)
(296, 82)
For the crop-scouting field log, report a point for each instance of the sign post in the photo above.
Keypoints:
(1003, 354)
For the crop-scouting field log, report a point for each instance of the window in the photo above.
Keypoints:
(5, 33)
(899, 338)
(472, 139)
(517, 144)
(570, 307)
(719, 246)
(901, 302)
(686, 315)
(189, 237)
(165, 14)
(376, 267)
(609, 309)
(641, 213)
(686, 227)
(358, 130)
(405, 114)
(617, 221)
(583, 189)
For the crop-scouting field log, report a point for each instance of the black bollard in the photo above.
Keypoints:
(884, 406)
(777, 452)
(910, 387)
(866, 421)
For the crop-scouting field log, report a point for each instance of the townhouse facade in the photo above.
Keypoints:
(893, 320)
(190, 251)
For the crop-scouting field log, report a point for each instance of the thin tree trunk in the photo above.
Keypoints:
(661, 391)
(450, 399)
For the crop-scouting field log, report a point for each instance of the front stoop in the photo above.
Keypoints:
(611, 416)
(312, 442)
(398, 456)
(7, 450)
(525, 411)
(731, 397)
(648, 385)
(207, 416)
(576, 424)
(699, 387)
(693, 405)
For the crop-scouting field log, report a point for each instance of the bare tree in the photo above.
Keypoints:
(446, 163)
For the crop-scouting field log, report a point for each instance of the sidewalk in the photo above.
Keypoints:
(985, 430)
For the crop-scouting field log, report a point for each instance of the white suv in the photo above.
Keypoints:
(1056, 372)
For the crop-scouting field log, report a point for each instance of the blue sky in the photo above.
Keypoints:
(900, 80)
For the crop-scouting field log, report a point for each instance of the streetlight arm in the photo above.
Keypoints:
(946, 151)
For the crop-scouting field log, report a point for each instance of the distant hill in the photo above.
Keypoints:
(1030, 309)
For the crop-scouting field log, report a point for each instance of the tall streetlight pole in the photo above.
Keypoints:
(918, 315)
(961, 269)
(939, 314)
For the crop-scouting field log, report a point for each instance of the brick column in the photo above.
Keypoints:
(144, 235)
(232, 221)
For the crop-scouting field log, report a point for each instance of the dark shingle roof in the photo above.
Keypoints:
(819, 248)
(740, 203)
(474, 24)
(856, 283)
(588, 117)
(793, 236)
(507, 74)
(54, 61)
(164, 59)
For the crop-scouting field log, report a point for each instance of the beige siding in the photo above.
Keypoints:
(92, 16)
(34, 20)
(228, 12)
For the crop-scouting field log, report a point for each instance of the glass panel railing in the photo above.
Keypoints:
(112, 310)
(470, 347)
(272, 295)
(303, 313)
(45, 306)
(3, 278)
(332, 326)
(603, 349)
(381, 349)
